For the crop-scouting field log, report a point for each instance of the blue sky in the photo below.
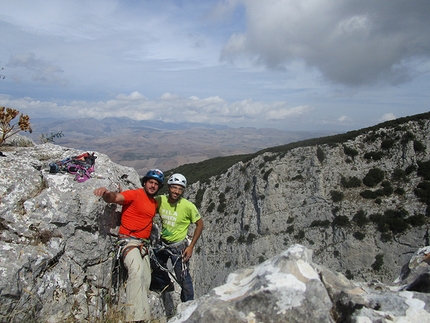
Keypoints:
(286, 64)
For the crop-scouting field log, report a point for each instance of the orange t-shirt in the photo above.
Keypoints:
(138, 210)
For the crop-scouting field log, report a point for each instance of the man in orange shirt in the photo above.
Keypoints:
(138, 210)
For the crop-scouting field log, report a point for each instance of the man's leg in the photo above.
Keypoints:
(160, 277)
(139, 278)
(183, 276)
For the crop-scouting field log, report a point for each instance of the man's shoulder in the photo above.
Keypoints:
(186, 202)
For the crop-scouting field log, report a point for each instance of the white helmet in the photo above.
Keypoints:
(177, 179)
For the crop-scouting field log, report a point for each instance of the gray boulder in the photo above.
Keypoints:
(57, 238)
(291, 288)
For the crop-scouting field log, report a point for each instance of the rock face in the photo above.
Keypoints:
(291, 288)
(56, 236)
(361, 206)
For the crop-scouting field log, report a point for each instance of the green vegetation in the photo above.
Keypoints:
(423, 192)
(352, 182)
(222, 203)
(320, 154)
(424, 170)
(387, 143)
(199, 197)
(320, 223)
(204, 170)
(373, 177)
(419, 147)
(399, 175)
(44, 138)
(360, 218)
(351, 152)
(379, 261)
(359, 235)
(341, 221)
(392, 220)
(336, 196)
(373, 155)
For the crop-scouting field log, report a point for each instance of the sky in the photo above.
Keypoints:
(294, 65)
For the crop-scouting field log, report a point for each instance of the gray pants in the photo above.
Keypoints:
(138, 281)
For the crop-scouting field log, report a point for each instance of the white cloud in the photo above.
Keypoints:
(350, 42)
(42, 70)
(387, 117)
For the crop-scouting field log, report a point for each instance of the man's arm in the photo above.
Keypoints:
(109, 197)
(197, 232)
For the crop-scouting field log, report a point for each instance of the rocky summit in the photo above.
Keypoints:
(332, 232)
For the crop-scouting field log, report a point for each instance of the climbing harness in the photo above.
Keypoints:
(119, 272)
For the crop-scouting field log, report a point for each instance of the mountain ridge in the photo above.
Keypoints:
(157, 144)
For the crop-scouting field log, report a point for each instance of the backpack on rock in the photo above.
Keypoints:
(81, 166)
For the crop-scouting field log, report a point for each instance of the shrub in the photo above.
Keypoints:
(320, 223)
(408, 136)
(360, 218)
(423, 192)
(399, 175)
(336, 196)
(266, 174)
(387, 188)
(44, 138)
(247, 186)
(348, 274)
(270, 158)
(320, 154)
(230, 239)
(341, 221)
(368, 194)
(379, 261)
(221, 207)
(300, 235)
(399, 191)
(350, 151)
(419, 147)
(375, 155)
(199, 197)
(352, 182)
(391, 220)
(359, 235)
(297, 177)
(373, 177)
(387, 143)
(228, 264)
(410, 169)
(211, 207)
(250, 238)
(424, 170)
(290, 229)
(7, 130)
(416, 220)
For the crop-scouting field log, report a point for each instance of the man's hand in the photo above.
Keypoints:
(100, 191)
(108, 196)
(188, 252)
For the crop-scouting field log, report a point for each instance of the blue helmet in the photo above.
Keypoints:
(155, 174)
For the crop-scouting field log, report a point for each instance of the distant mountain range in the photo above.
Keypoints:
(145, 144)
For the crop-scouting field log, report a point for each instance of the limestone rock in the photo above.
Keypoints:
(291, 288)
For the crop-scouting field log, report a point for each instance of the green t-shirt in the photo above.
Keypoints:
(176, 218)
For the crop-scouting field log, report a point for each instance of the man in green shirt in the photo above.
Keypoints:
(177, 213)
